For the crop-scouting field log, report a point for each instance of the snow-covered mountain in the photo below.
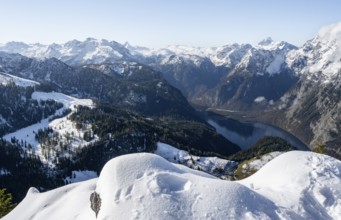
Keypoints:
(193, 70)
(146, 186)
(313, 106)
(204, 74)
(90, 51)
(321, 56)
(260, 76)
(267, 57)
(93, 51)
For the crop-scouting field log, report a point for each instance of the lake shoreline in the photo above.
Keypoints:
(247, 132)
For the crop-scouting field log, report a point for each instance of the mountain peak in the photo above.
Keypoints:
(322, 54)
(330, 32)
(266, 41)
(91, 39)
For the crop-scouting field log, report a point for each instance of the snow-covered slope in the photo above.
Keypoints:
(62, 125)
(295, 185)
(6, 79)
(267, 57)
(68, 202)
(305, 182)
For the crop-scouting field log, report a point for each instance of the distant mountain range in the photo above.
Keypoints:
(297, 87)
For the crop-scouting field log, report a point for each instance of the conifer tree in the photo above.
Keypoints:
(6, 204)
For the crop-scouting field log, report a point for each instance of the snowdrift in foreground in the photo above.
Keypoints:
(295, 185)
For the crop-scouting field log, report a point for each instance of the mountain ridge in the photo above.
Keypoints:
(275, 77)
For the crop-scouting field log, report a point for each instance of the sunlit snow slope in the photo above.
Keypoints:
(295, 185)
(6, 79)
(62, 125)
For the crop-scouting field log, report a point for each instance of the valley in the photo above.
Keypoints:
(245, 134)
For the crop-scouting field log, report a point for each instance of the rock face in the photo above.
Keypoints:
(225, 75)
(95, 200)
(314, 104)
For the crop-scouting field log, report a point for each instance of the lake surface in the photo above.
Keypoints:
(247, 134)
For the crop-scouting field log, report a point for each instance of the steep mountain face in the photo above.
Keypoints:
(313, 109)
(193, 70)
(314, 105)
(232, 74)
(190, 76)
(319, 57)
(137, 87)
(261, 75)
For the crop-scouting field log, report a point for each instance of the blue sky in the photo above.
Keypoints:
(157, 23)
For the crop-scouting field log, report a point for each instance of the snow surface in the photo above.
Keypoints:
(68, 101)
(305, 182)
(68, 202)
(276, 64)
(2, 120)
(260, 99)
(5, 79)
(294, 185)
(4, 172)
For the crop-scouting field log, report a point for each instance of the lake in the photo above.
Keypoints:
(247, 134)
